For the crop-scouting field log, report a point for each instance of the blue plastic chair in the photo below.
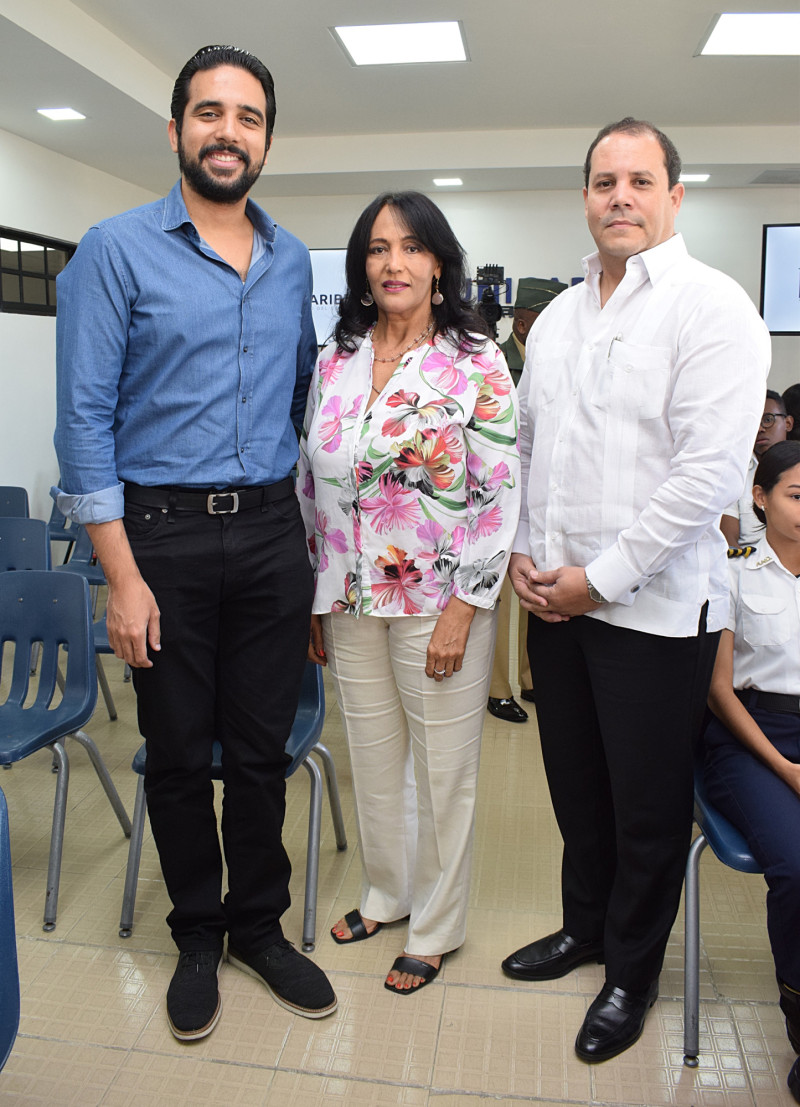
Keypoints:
(83, 561)
(23, 544)
(13, 502)
(9, 977)
(61, 530)
(732, 850)
(52, 609)
(303, 740)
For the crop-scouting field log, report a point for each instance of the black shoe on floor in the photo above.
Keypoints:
(508, 709)
(528, 695)
(292, 980)
(193, 1002)
(551, 958)
(793, 1080)
(614, 1021)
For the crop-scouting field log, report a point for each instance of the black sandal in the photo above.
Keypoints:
(358, 932)
(416, 968)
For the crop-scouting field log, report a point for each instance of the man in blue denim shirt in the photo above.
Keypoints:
(185, 347)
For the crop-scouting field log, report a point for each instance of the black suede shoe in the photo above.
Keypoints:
(793, 1080)
(614, 1022)
(508, 709)
(193, 1003)
(292, 980)
(551, 957)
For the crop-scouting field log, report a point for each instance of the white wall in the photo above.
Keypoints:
(544, 234)
(43, 193)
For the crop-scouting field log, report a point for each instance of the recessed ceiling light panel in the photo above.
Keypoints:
(402, 43)
(447, 182)
(693, 178)
(765, 33)
(60, 114)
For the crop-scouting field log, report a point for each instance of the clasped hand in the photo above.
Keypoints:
(554, 595)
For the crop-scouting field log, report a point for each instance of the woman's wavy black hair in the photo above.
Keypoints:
(773, 464)
(428, 225)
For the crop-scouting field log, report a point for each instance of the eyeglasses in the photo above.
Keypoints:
(768, 419)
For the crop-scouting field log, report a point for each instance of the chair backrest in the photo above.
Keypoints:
(83, 550)
(24, 544)
(723, 837)
(310, 717)
(59, 526)
(13, 502)
(9, 977)
(53, 609)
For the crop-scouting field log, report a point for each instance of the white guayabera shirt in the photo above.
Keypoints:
(637, 421)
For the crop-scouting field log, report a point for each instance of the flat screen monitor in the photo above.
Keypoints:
(329, 287)
(780, 278)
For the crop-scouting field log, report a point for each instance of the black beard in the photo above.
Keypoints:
(220, 190)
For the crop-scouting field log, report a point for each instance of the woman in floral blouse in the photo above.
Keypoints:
(408, 485)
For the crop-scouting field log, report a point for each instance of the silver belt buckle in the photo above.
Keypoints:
(212, 508)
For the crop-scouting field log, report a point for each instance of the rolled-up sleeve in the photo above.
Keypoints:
(91, 340)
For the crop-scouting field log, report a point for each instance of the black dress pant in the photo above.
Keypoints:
(619, 715)
(235, 595)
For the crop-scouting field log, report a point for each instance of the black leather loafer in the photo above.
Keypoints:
(614, 1022)
(509, 710)
(528, 695)
(551, 957)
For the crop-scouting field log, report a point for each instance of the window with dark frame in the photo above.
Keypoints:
(29, 265)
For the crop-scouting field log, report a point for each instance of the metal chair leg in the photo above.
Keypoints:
(105, 779)
(102, 680)
(134, 860)
(333, 794)
(312, 853)
(56, 835)
(691, 955)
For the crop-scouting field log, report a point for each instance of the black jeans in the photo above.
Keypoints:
(619, 714)
(235, 594)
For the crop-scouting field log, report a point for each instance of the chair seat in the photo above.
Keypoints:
(726, 841)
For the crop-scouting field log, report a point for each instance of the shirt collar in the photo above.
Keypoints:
(176, 215)
(764, 555)
(655, 262)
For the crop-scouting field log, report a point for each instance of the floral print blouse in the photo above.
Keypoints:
(417, 498)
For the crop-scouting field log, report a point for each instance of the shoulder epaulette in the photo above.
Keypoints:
(741, 551)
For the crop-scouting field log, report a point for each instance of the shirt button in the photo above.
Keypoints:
(244, 349)
(244, 399)
(635, 588)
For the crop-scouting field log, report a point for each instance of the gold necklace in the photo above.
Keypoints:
(410, 346)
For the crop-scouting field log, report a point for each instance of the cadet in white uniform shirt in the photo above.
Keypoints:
(639, 404)
(753, 745)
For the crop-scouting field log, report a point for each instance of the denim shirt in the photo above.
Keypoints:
(170, 369)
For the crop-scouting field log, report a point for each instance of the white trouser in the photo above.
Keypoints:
(416, 841)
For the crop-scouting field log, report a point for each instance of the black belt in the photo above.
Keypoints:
(214, 501)
(769, 701)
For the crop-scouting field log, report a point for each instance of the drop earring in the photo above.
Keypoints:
(437, 298)
(367, 299)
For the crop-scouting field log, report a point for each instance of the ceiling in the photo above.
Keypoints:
(542, 77)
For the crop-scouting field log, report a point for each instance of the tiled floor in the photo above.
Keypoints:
(93, 1028)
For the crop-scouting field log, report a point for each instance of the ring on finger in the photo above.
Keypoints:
(440, 672)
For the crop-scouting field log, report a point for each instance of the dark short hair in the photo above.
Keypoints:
(428, 225)
(791, 400)
(212, 57)
(777, 399)
(774, 462)
(631, 126)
